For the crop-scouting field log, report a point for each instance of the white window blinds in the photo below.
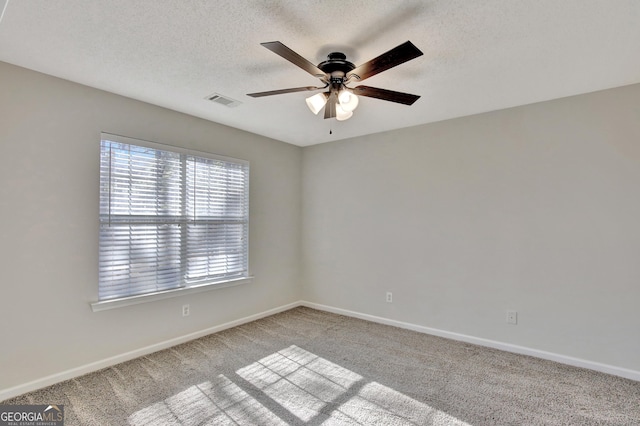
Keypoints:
(169, 218)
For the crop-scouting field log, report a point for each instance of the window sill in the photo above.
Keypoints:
(144, 298)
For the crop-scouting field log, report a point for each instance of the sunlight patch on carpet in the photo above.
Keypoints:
(310, 388)
(220, 402)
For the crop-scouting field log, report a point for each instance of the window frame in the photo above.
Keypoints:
(185, 287)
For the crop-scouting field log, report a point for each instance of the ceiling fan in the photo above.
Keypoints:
(336, 73)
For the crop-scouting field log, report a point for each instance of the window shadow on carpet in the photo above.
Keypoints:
(291, 386)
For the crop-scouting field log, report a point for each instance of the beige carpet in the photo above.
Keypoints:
(307, 367)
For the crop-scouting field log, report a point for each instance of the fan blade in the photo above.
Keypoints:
(291, 56)
(281, 91)
(386, 95)
(396, 56)
(330, 106)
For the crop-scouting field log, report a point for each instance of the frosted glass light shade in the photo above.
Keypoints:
(341, 114)
(316, 102)
(348, 101)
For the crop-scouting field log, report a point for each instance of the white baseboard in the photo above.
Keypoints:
(563, 359)
(108, 362)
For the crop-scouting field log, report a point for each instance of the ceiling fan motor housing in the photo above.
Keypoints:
(337, 67)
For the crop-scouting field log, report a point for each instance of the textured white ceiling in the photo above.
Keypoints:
(479, 55)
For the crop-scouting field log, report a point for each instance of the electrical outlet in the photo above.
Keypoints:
(185, 310)
(512, 317)
(389, 297)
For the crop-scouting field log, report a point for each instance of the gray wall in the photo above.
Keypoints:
(49, 153)
(534, 209)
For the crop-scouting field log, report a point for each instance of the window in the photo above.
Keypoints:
(169, 218)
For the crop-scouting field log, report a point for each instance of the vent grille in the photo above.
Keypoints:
(223, 100)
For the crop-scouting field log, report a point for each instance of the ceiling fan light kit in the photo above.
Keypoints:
(348, 101)
(339, 101)
(342, 114)
(317, 102)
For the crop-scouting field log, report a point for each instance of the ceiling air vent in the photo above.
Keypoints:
(223, 100)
